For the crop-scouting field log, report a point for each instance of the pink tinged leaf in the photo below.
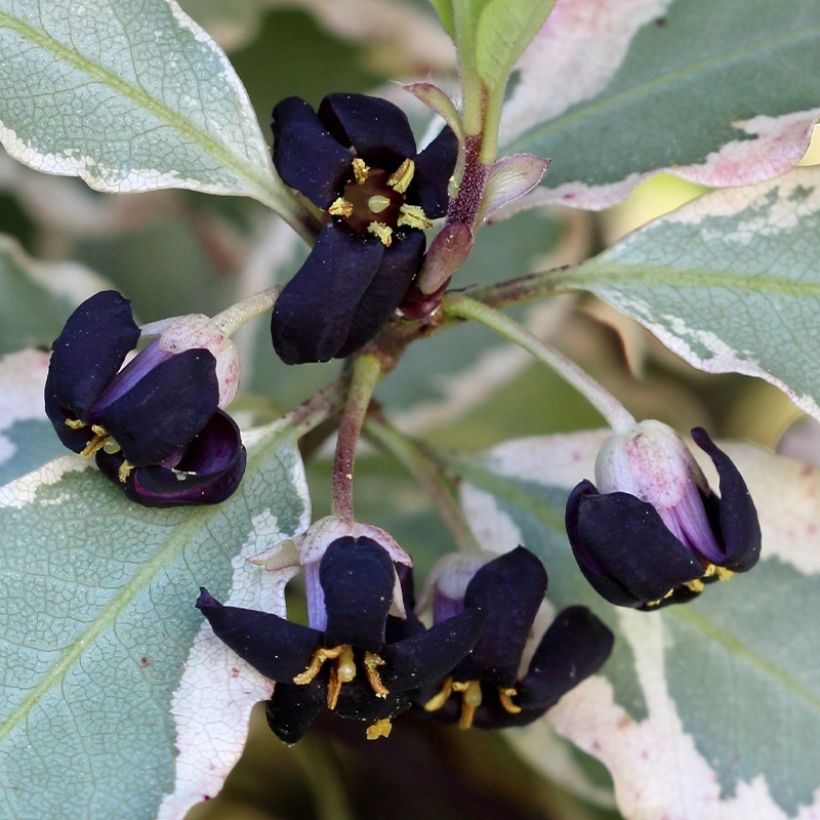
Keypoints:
(439, 103)
(511, 178)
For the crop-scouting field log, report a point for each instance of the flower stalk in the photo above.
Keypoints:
(615, 414)
(232, 318)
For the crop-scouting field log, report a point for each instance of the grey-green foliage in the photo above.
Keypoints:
(131, 97)
(98, 618)
(729, 282)
(689, 75)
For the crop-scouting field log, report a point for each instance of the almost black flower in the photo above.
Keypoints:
(653, 533)
(361, 664)
(155, 426)
(488, 688)
(355, 159)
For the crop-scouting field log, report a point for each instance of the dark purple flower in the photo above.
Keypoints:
(653, 533)
(487, 688)
(155, 426)
(361, 664)
(355, 159)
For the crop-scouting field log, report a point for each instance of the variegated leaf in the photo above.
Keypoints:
(705, 711)
(614, 90)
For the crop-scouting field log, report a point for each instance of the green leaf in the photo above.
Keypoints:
(444, 10)
(729, 282)
(505, 27)
(130, 98)
(709, 709)
(723, 94)
(112, 686)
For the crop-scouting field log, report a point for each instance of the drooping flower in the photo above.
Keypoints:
(155, 426)
(489, 688)
(652, 532)
(361, 664)
(356, 159)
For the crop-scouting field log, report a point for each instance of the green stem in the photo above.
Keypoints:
(616, 415)
(426, 472)
(233, 317)
(316, 409)
(366, 372)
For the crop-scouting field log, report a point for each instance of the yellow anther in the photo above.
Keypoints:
(99, 430)
(346, 665)
(668, 594)
(414, 217)
(401, 178)
(360, 171)
(723, 574)
(381, 728)
(340, 207)
(470, 701)
(371, 663)
(95, 444)
(74, 424)
(505, 696)
(378, 203)
(709, 571)
(321, 655)
(438, 700)
(695, 586)
(334, 687)
(384, 232)
(125, 470)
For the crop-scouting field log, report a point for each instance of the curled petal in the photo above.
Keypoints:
(377, 129)
(358, 702)
(434, 167)
(313, 315)
(163, 411)
(430, 656)
(87, 355)
(624, 549)
(293, 708)
(306, 155)
(399, 266)
(509, 590)
(357, 578)
(736, 519)
(275, 647)
(208, 472)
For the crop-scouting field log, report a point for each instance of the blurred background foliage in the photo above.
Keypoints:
(174, 252)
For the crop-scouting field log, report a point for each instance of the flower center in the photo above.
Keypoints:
(373, 200)
(101, 440)
(471, 698)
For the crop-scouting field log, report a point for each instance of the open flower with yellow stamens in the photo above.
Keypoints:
(489, 688)
(354, 659)
(356, 159)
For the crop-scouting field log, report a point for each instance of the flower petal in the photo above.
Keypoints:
(624, 549)
(293, 708)
(357, 701)
(275, 647)
(509, 589)
(208, 472)
(400, 264)
(430, 656)
(357, 578)
(434, 167)
(377, 129)
(306, 155)
(313, 315)
(737, 522)
(87, 355)
(161, 413)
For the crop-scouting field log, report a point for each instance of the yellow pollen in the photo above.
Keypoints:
(384, 232)
(438, 700)
(125, 470)
(371, 663)
(96, 443)
(709, 571)
(316, 663)
(414, 217)
(99, 430)
(360, 170)
(377, 203)
(74, 424)
(381, 728)
(668, 594)
(470, 701)
(695, 586)
(340, 207)
(723, 574)
(401, 178)
(505, 696)
(334, 688)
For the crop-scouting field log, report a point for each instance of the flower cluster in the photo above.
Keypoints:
(355, 159)
(156, 426)
(359, 662)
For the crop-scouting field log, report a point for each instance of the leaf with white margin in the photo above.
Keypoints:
(722, 94)
(102, 649)
(708, 710)
(129, 97)
(729, 282)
